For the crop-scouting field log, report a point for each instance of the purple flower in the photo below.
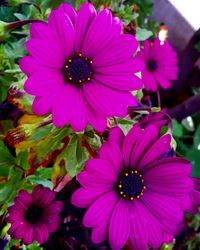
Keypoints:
(133, 195)
(161, 64)
(81, 68)
(158, 119)
(195, 196)
(33, 216)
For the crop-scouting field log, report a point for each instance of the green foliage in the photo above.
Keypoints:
(188, 143)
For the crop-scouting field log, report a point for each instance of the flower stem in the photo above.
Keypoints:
(19, 24)
(86, 145)
(158, 98)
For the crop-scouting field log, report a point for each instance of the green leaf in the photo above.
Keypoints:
(194, 157)
(177, 129)
(197, 138)
(124, 121)
(22, 159)
(41, 132)
(143, 34)
(6, 159)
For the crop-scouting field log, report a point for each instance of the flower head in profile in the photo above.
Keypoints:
(161, 64)
(134, 195)
(80, 67)
(33, 216)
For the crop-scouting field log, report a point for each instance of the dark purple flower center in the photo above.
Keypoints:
(130, 184)
(151, 65)
(33, 214)
(78, 70)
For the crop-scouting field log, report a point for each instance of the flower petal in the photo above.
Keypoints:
(149, 81)
(97, 120)
(85, 17)
(46, 53)
(163, 82)
(119, 228)
(128, 82)
(130, 143)
(102, 170)
(139, 232)
(101, 210)
(69, 10)
(63, 107)
(116, 136)
(29, 65)
(111, 153)
(84, 197)
(65, 32)
(163, 207)
(42, 105)
(123, 48)
(43, 83)
(98, 40)
(40, 233)
(144, 142)
(156, 151)
(108, 101)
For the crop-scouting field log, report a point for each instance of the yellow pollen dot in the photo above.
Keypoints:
(121, 192)
(120, 186)
(70, 60)
(91, 62)
(89, 78)
(138, 197)
(136, 172)
(80, 54)
(132, 172)
(132, 198)
(126, 174)
(80, 81)
(67, 66)
(141, 193)
(144, 187)
(70, 78)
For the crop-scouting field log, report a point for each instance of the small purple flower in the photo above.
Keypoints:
(158, 119)
(33, 216)
(81, 68)
(161, 64)
(3, 243)
(132, 193)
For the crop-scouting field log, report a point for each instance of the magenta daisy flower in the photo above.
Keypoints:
(33, 216)
(132, 193)
(80, 67)
(161, 64)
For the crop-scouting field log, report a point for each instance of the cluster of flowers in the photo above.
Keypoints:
(81, 69)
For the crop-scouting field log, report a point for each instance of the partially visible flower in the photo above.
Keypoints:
(3, 243)
(9, 111)
(195, 195)
(158, 119)
(161, 64)
(81, 68)
(33, 216)
(133, 193)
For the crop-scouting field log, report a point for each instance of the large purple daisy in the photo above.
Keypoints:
(133, 193)
(161, 64)
(33, 216)
(80, 67)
